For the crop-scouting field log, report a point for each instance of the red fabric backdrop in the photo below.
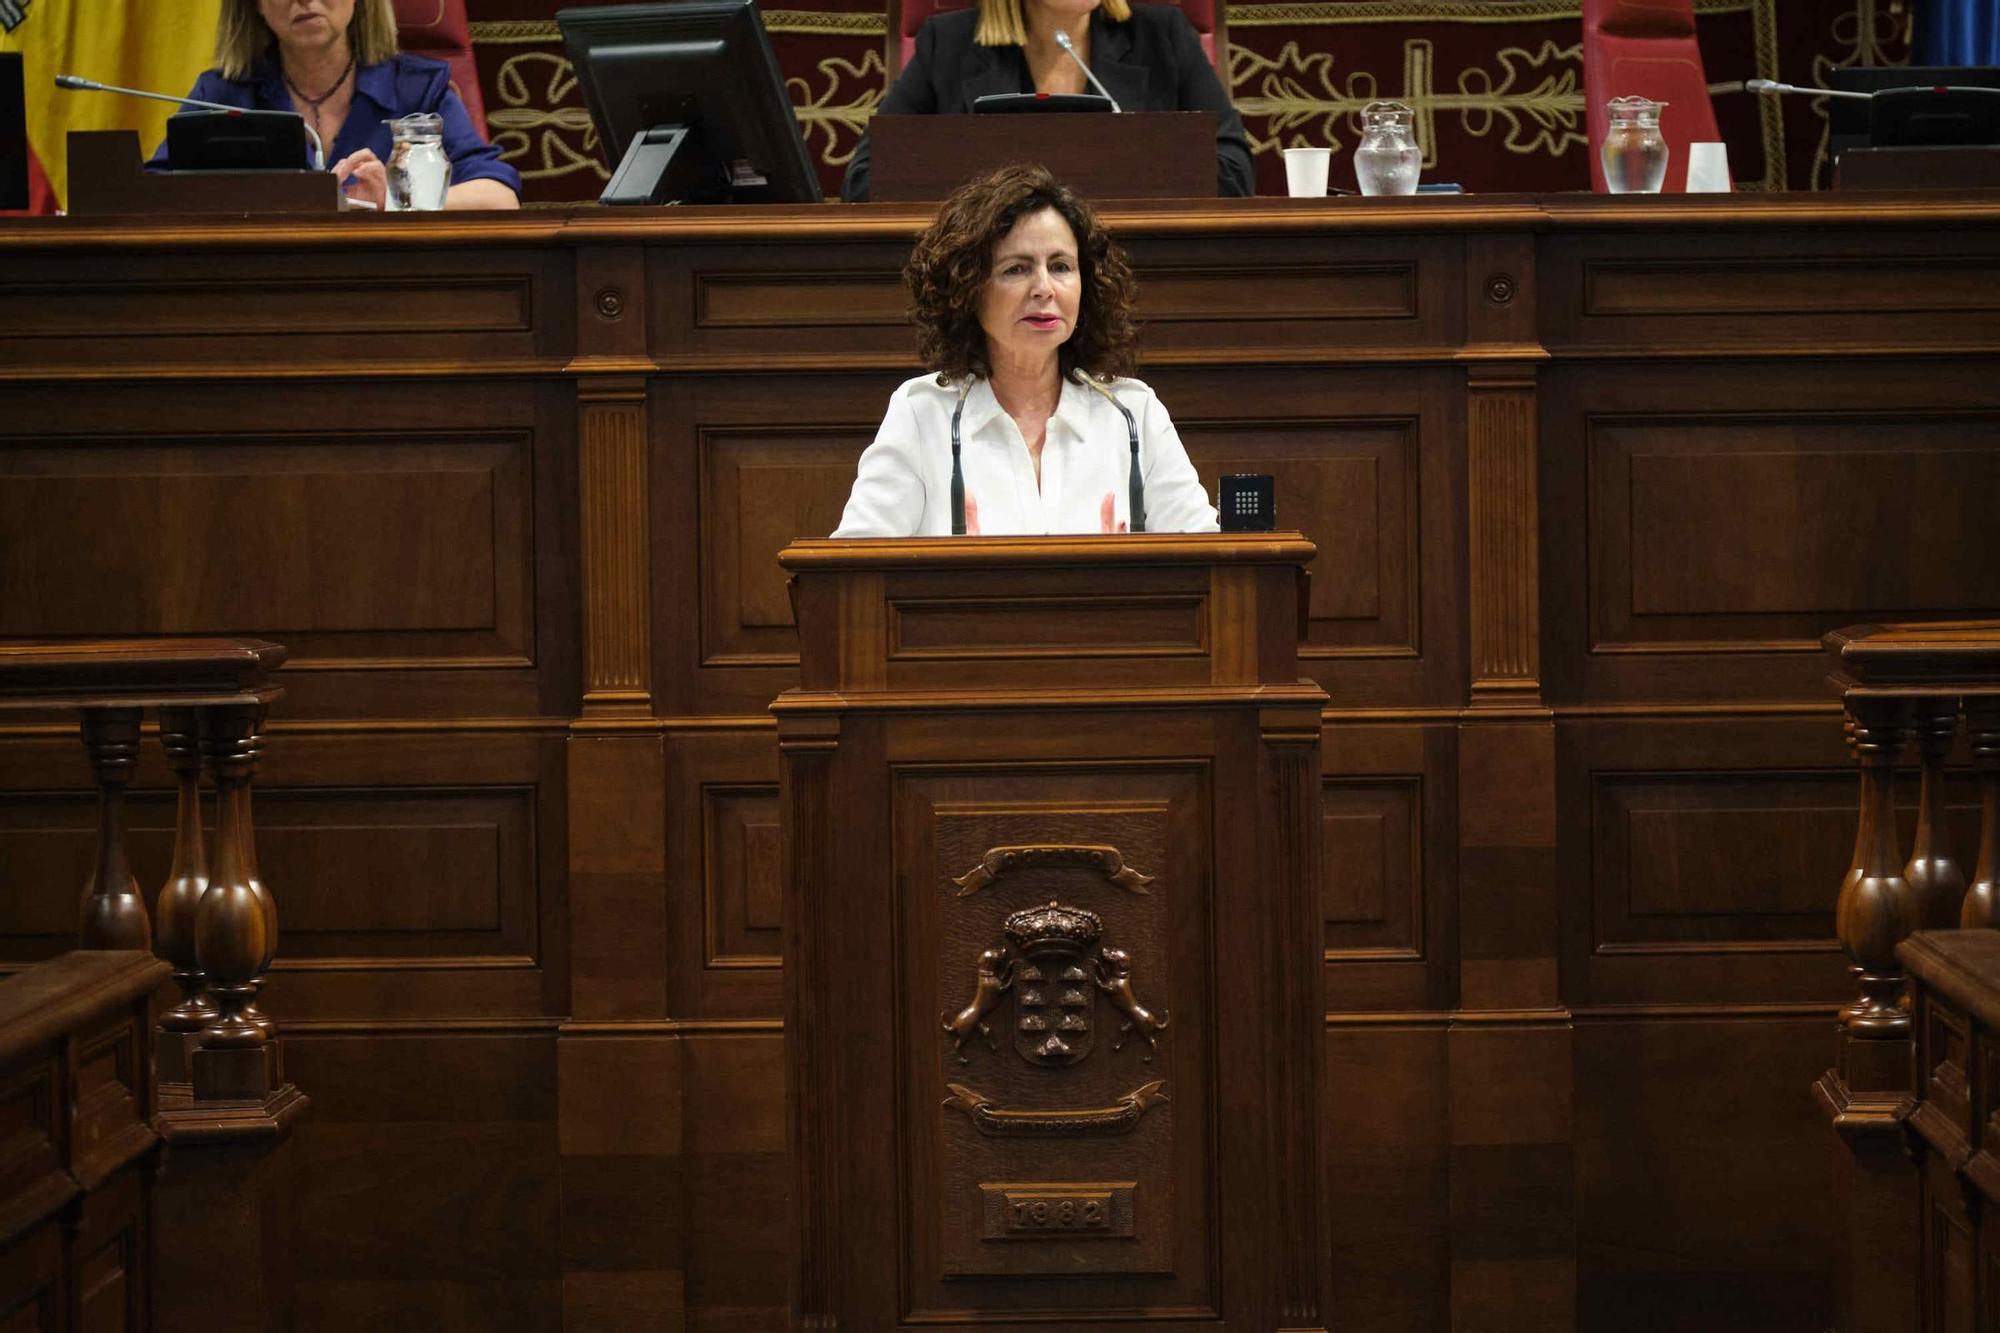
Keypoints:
(1497, 84)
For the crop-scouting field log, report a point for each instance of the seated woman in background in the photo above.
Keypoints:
(1023, 305)
(1146, 55)
(335, 63)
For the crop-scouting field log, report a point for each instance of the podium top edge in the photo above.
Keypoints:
(1141, 548)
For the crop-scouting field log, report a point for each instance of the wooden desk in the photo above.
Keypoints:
(1588, 478)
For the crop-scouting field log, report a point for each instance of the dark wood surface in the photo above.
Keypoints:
(1061, 792)
(1585, 476)
(76, 1101)
(1129, 155)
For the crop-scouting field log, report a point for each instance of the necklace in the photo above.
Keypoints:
(315, 102)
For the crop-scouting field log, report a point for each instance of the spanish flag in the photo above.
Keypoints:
(159, 45)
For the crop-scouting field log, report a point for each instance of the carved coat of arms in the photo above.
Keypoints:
(1055, 971)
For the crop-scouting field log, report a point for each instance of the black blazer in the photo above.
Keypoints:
(1151, 62)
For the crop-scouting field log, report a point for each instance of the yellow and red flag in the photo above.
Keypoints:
(159, 45)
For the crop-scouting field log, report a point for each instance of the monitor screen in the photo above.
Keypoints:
(236, 141)
(1850, 122)
(13, 134)
(688, 100)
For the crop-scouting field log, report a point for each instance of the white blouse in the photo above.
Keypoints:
(903, 485)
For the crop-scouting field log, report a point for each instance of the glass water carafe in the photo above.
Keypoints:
(419, 171)
(1635, 156)
(1387, 159)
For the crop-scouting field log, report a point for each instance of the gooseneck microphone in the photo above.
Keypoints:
(1773, 86)
(1069, 49)
(81, 85)
(958, 473)
(1135, 485)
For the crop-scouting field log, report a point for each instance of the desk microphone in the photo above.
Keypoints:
(1773, 86)
(1069, 49)
(80, 85)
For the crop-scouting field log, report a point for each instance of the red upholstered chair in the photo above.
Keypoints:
(906, 16)
(1646, 48)
(438, 29)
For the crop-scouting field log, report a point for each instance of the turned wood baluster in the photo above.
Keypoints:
(1982, 900)
(179, 898)
(114, 915)
(236, 923)
(1875, 912)
(1937, 884)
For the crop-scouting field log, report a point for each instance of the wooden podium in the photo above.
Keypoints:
(1052, 963)
(1131, 155)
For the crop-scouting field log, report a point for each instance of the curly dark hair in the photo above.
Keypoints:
(954, 258)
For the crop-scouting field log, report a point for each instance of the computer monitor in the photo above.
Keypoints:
(687, 97)
(13, 133)
(236, 141)
(1903, 119)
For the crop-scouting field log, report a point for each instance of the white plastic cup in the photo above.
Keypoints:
(1305, 172)
(1708, 168)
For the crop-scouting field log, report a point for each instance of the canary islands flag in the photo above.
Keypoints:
(158, 45)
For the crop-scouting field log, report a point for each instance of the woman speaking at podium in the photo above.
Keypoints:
(1146, 55)
(1023, 307)
(335, 63)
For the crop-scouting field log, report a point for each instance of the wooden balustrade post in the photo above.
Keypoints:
(1937, 884)
(1982, 900)
(1869, 1095)
(236, 922)
(114, 915)
(1875, 911)
(180, 1027)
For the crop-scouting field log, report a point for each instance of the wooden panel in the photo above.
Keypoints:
(724, 874)
(1765, 290)
(423, 554)
(1389, 881)
(1372, 837)
(457, 305)
(1298, 301)
(753, 307)
(1352, 487)
(1698, 516)
(1703, 1174)
(440, 573)
(778, 300)
(1737, 531)
(763, 490)
(945, 825)
(427, 1174)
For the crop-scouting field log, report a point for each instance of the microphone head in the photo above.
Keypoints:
(1062, 39)
(1760, 85)
(72, 81)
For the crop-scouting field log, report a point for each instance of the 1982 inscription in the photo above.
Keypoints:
(1051, 1209)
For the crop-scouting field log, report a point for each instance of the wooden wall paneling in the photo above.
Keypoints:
(1763, 290)
(1701, 856)
(1366, 465)
(738, 1179)
(725, 887)
(138, 305)
(806, 303)
(1702, 1172)
(1390, 841)
(624, 1211)
(415, 560)
(429, 1179)
(1387, 1162)
(1305, 298)
(619, 906)
(739, 472)
(1694, 508)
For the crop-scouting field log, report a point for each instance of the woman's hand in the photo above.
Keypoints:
(370, 177)
(1107, 514)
